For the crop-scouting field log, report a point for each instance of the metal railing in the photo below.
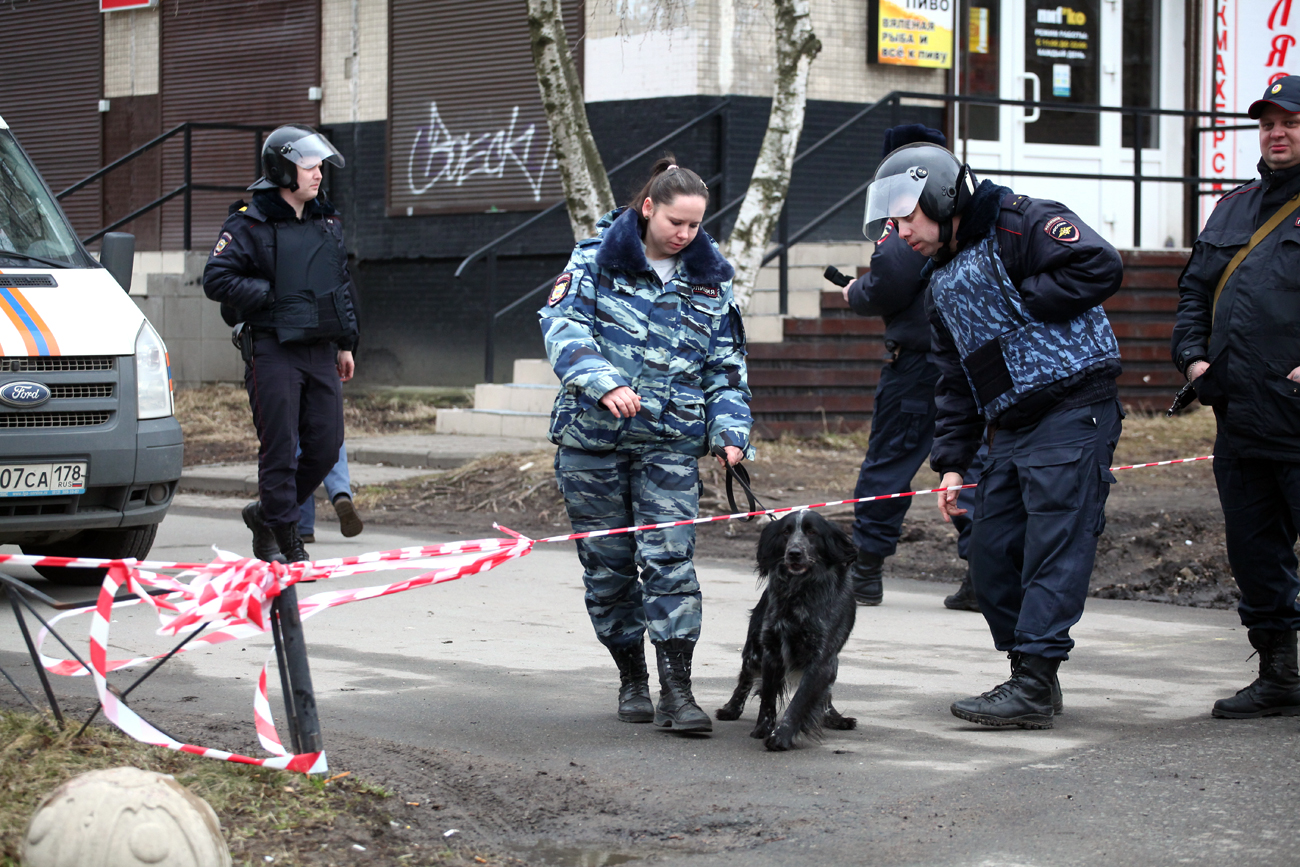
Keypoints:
(187, 187)
(489, 251)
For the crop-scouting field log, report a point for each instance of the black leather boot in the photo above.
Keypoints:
(290, 543)
(867, 572)
(1058, 704)
(677, 709)
(1025, 700)
(964, 599)
(1276, 692)
(634, 704)
(264, 545)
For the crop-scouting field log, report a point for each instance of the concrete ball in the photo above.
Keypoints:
(124, 817)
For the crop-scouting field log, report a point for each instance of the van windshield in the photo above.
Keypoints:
(33, 231)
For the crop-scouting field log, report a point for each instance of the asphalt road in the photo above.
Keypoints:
(500, 670)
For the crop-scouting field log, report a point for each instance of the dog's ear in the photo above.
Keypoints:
(839, 545)
(771, 551)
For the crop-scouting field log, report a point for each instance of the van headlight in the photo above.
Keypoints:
(153, 379)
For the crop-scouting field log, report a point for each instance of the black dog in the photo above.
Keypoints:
(797, 629)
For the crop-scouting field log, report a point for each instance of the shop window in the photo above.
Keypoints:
(979, 67)
(1142, 67)
(1061, 48)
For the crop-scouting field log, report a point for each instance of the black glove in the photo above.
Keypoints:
(834, 275)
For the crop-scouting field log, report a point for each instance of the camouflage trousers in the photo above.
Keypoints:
(635, 581)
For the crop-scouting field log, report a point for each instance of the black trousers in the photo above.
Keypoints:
(1039, 509)
(297, 400)
(1261, 510)
(902, 431)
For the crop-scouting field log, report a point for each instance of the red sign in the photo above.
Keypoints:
(117, 5)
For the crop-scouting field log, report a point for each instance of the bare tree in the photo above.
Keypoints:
(587, 192)
(796, 47)
(586, 186)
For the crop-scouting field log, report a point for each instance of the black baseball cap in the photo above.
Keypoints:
(1284, 93)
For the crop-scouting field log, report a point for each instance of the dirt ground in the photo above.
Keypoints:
(1163, 540)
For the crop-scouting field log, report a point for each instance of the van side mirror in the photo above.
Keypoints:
(117, 255)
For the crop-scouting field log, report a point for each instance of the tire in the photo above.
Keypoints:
(103, 544)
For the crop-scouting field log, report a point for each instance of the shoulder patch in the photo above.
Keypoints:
(706, 291)
(889, 229)
(221, 243)
(1062, 230)
(560, 289)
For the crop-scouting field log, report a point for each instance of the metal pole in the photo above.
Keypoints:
(1137, 178)
(783, 238)
(189, 180)
(489, 353)
(308, 736)
(36, 659)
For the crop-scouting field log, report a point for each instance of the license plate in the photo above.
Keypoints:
(34, 480)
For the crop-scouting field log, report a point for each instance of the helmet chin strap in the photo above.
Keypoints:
(945, 232)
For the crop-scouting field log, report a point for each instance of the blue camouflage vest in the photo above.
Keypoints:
(1005, 352)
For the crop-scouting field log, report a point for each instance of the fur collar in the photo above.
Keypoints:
(270, 205)
(621, 250)
(981, 213)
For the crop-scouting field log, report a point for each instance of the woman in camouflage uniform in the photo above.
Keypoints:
(648, 344)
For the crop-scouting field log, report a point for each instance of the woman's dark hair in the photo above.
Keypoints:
(668, 181)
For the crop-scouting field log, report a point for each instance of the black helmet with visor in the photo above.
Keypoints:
(288, 148)
(918, 174)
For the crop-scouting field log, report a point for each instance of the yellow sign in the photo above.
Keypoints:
(915, 33)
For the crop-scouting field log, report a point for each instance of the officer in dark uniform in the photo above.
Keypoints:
(1238, 342)
(1026, 352)
(280, 267)
(902, 417)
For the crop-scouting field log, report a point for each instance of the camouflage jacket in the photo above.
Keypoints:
(611, 322)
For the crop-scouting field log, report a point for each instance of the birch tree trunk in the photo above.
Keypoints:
(796, 46)
(587, 192)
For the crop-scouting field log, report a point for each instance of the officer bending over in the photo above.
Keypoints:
(1237, 338)
(902, 416)
(280, 267)
(1024, 348)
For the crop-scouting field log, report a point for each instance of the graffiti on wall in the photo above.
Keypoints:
(443, 157)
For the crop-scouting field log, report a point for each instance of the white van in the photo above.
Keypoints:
(90, 452)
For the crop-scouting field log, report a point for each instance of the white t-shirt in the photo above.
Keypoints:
(665, 268)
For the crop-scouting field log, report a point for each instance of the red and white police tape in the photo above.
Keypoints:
(231, 599)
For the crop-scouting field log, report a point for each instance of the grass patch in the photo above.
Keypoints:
(254, 804)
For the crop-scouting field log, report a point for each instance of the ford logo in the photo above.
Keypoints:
(24, 394)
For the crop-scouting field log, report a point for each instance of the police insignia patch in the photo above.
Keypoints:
(889, 227)
(1062, 230)
(560, 289)
(221, 243)
(706, 291)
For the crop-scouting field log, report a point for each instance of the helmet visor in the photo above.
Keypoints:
(888, 198)
(310, 151)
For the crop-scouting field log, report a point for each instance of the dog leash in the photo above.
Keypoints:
(738, 473)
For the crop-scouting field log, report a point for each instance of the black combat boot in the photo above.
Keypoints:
(677, 709)
(1025, 700)
(634, 704)
(290, 543)
(868, 588)
(264, 544)
(1277, 689)
(964, 599)
(1058, 704)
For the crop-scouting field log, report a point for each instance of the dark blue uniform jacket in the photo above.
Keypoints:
(1252, 338)
(1062, 269)
(894, 290)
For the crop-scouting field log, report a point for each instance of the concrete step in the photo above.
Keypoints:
(434, 451)
(516, 396)
(534, 371)
(242, 478)
(494, 422)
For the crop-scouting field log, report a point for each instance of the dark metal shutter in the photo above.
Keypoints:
(49, 95)
(231, 61)
(468, 132)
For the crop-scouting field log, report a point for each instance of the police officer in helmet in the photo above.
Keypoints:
(1026, 353)
(280, 268)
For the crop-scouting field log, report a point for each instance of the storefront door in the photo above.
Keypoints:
(1063, 53)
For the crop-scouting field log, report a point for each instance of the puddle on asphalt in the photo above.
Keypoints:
(570, 856)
